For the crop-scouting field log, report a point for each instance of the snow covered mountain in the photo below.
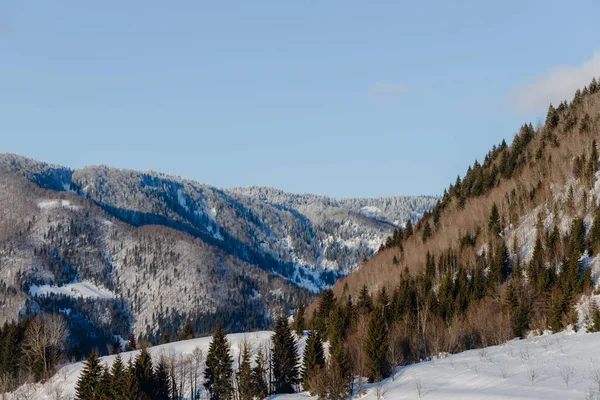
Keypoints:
(120, 250)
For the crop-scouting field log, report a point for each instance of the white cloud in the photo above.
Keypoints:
(558, 84)
(386, 91)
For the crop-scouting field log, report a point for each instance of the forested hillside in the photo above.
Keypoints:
(511, 248)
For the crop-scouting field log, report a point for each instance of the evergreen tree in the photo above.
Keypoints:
(119, 379)
(144, 374)
(326, 305)
(284, 358)
(314, 359)
(87, 384)
(162, 389)
(426, 232)
(339, 372)
(187, 332)
(218, 371)
(244, 375)
(408, 230)
(595, 232)
(104, 388)
(494, 226)
(131, 344)
(299, 324)
(376, 347)
(259, 383)
(365, 302)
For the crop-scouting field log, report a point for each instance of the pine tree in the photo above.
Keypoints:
(408, 230)
(132, 386)
(339, 372)
(259, 383)
(284, 358)
(187, 332)
(299, 323)
(218, 371)
(244, 374)
(376, 347)
(104, 387)
(365, 302)
(131, 344)
(494, 222)
(426, 232)
(119, 383)
(87, 384)
(313, 360)
(144, 374)
(326, 305)
(595, 232)
(162, 389)
(593, 324)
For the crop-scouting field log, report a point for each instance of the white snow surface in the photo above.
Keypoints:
(77, 289)
(531, 368)
(49, 204)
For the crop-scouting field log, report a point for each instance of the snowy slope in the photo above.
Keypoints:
(533, 368)
(85, 290)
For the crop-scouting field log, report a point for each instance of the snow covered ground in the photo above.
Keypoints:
(78, 289)
(560, 366)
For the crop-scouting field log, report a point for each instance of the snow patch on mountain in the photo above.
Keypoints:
(84, 290)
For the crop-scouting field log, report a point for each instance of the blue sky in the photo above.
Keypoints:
(344, 98)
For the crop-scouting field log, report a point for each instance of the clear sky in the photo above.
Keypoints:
(344, 98)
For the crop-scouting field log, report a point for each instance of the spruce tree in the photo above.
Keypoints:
(339, 372)
(313, 359)
(408, 230)
(426, 232)
(218, 372)
(104, 388)
(284, 359)
(376, 347)
(244, 375)
(131, 344)
(299, 324)
(187, 332)
(259, 383)
(365, 302)
(595, 232)
(162, 389)
(144, 374)
(119, 383)
(87, 384)
(494, 222)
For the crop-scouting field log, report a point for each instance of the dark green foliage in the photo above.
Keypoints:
(499, 265)
(244, 375)
(187, 332)
(162, 389)
(426, 232)
(299, 323)
(494, 226)
(218, 372)
(408, 229)
(313, 360)
(326, 306)
(119, 376)
(87, 384)
(258, 381)
(365, 302)
(595, 232)
(376, 347)
(144, 374)
(284, 358)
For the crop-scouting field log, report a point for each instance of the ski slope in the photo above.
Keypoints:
(561, 366)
